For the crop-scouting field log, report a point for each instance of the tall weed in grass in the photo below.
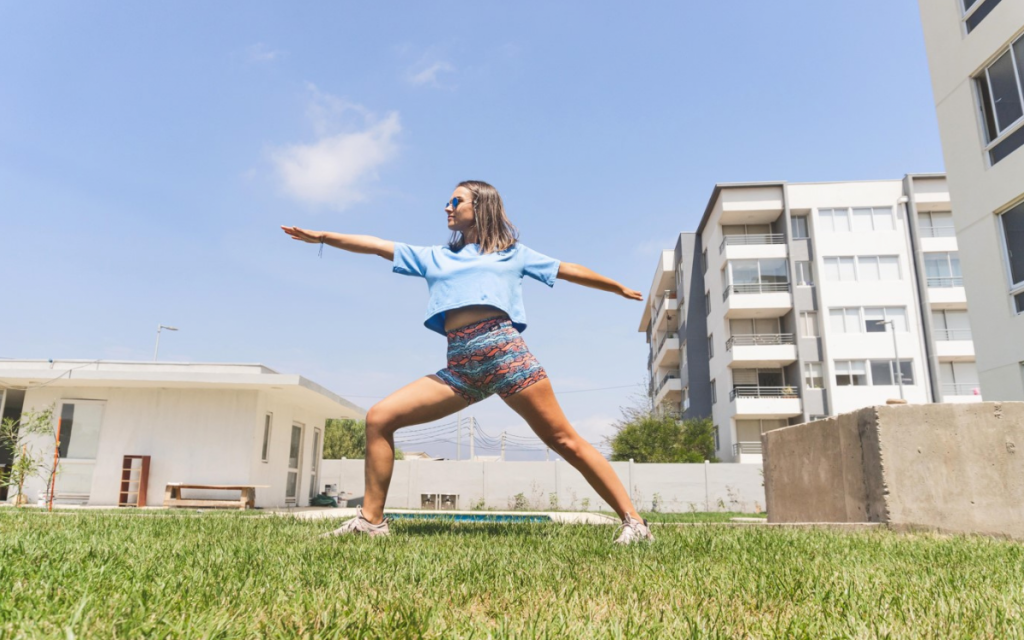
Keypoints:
(222, 575)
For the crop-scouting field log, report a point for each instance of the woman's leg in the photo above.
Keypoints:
(422, 401)
(539, 407)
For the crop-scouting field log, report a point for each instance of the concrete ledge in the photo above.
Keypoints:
(952, 468)
(562, 517)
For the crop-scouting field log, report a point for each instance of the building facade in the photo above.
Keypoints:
(796, 301)
(976, 55)
(224, 424)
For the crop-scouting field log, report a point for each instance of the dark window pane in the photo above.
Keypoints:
(67, 420)
(1012, 142)
(1013, 230)
(881, 372)
(1019, 300)
(986, 109)
(874, 326)
(907, 369)
(968, 4)
(980, 14)
(1005, 95)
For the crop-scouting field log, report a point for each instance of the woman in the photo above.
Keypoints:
(475, 287)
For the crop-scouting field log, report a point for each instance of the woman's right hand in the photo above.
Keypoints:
(304, 235)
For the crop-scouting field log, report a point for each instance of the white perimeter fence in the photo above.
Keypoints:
(548, 485)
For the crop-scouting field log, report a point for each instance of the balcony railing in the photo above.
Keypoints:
(945, 282)
(661, 304)
(953, 334)
(938, 232)
(664, 381)
(758, 339)
(746, 447)
(763, 392)
(755, 287)
(757, 238)
(960, 389)
(661, 341)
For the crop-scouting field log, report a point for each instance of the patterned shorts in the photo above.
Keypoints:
(489, 357)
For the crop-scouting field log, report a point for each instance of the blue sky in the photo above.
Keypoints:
(149, 152)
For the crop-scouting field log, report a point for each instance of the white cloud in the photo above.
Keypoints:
(353, 143)
(425, 73)
(260, 52)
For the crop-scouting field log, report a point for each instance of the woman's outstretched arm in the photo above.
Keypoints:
(348, 242)
(579, 274)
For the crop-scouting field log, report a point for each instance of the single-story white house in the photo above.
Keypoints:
(227, 424)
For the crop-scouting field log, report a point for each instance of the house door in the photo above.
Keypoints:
(314, 467)
(79, 424)
(291, 493)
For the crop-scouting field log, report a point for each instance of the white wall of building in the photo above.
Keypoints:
(979, 190)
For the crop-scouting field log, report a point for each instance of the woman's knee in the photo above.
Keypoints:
(567, 445)
(378, 420)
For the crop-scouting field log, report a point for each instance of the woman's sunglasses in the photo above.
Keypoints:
(455, 202)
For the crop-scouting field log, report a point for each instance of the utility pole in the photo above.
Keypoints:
(546, 452)
(156, 349)
(896, 349)
(458, 437)
(472, 438)
(503, 446)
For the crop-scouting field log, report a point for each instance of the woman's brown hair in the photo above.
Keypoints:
(494, 232)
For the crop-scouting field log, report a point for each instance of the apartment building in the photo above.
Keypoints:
(976, 54)
(793, 301)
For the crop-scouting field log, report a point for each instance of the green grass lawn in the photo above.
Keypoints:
(221, 575)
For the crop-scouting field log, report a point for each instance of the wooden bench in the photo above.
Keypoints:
(247, 500)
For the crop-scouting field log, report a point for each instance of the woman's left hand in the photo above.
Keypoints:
(631, 294)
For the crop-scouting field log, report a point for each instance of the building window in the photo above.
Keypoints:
(809, 324)
(942, 270)
(857, 219)
(876, 317)
(804, 277)
(999, 90)
(851, 373)
(845, 320)
(975, 11)
(714, 392)
(711, 346)
(812, 376)
(718, 444)
(704, 261)
(936, 224)
(883, 372)
(1013, 241)
(268, 419)
(799, 226)
(862, 268)
(840, 269)
(682, 354)
(758, 276)
(948, 324)
(707, 303)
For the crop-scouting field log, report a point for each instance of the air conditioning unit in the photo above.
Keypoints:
(449, 502)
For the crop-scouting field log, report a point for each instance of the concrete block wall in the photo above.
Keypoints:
(949, 467)
(495, 485)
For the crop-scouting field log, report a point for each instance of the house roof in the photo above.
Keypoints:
(33, 374)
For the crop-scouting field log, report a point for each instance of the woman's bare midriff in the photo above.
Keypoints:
(455, 318)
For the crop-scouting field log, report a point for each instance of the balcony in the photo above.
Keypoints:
(739, 247)
(954, 345)
(961, 392)
(764, 350)
(757, 300)
(766, 402)
(666, 352)
(747, 452)
(947, 292)
(668, 305)
(670, 390)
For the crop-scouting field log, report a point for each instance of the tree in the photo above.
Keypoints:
(27, 462)
(347, 439)
(645, 436)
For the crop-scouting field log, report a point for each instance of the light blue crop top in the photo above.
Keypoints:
(467, 278)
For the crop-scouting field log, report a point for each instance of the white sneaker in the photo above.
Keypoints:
(359, 524)
(634, 530)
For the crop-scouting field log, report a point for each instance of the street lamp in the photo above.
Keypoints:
(896, 349)
(158, 329)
